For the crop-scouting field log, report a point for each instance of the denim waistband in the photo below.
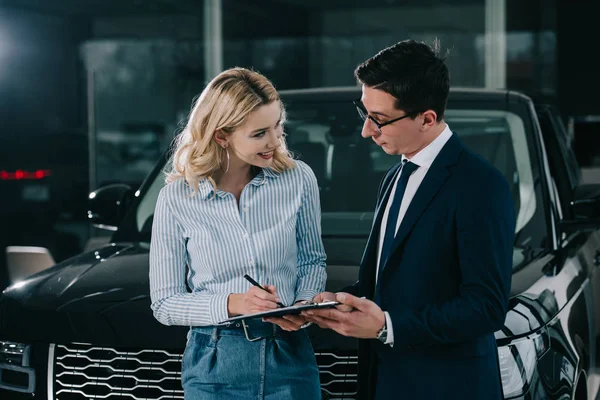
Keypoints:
(256, 328)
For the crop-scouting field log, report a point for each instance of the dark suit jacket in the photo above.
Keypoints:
(446, 285)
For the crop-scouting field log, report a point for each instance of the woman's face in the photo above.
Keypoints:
(255, 141)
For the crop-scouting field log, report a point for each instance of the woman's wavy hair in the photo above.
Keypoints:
(223, 105)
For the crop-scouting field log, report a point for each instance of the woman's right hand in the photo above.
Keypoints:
(253, 301)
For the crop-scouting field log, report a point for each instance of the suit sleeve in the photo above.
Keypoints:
(485, 223)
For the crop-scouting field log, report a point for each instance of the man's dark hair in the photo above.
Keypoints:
(412, 72)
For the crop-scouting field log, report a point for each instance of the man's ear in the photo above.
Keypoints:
(221, 138)
(429, 119)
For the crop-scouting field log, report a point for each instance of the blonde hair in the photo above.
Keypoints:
(223, 105)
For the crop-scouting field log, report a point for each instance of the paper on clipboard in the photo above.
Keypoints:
(283, 311)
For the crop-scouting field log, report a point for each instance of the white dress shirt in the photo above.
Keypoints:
(423, 159)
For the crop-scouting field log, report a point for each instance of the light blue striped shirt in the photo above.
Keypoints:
(274, 236)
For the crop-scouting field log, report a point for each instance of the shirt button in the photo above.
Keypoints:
(246, 235)
(245, 209)
(252, 263)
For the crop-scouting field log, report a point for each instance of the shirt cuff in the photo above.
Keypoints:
(390, 329)
(305, 295)
(218, 308)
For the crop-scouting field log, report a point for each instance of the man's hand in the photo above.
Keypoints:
(364, 321)
(328, 296)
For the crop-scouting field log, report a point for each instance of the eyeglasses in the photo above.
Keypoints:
(362, 112)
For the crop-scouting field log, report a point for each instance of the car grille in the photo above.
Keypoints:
(84, 371)
(338, 375)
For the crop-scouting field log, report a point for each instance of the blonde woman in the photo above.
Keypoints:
(236, 203)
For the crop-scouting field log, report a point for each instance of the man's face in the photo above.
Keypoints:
(255, 141)
(401, 137)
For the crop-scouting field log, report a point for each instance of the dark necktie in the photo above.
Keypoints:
(390, 230)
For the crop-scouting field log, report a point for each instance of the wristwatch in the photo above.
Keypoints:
(382, 335)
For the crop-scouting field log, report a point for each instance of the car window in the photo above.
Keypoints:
(566, 145)
(127, 155)
(327, 137)
(331, 144)
(145, 208)
(564, 168)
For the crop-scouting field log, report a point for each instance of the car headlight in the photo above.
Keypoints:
(15, 371)
(517, 363)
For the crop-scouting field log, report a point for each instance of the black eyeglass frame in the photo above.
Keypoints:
(362, 112)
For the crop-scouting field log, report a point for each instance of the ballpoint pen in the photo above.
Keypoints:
(252, 281)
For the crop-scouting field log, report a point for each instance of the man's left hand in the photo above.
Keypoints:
(364, 321)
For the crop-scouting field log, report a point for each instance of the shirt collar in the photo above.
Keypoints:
(206, 190)
(425, 157)
(269, 173)
(263, 175)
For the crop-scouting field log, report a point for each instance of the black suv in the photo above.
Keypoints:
(84, 329)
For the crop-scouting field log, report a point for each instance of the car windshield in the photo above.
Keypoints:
(349, 168)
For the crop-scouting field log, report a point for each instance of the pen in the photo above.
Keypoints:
(252, 281)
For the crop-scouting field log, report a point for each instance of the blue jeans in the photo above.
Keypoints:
(220, 363)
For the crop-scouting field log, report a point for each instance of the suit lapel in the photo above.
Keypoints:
(369, 259)
(436, 177)
(382, 204)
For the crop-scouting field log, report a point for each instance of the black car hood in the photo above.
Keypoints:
(100, 297)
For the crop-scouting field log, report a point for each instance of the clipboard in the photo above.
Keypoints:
(278, 312)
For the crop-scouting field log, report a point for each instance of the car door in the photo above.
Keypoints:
(580, 248)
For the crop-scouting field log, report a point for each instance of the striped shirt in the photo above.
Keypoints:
(274, 236)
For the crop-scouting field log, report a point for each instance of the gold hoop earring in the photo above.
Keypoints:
(228, 160)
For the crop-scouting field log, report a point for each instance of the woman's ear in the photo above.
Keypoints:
(221, 138)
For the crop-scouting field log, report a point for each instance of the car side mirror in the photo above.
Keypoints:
(585, 209)
(108, 204)
(586, 201)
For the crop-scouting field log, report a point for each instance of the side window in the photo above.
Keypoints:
(566, 145)
(563, 166)
(559, 207)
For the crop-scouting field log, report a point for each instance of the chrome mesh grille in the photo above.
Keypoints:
(338, 373)
(88, 372)
(84, 371)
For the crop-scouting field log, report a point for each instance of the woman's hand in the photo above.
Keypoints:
(253, 301)
(289, 322)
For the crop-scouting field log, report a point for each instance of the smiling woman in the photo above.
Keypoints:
(259, 136)
(238, 106)
(236, 203)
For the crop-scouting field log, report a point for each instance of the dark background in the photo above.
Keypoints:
(95, 90)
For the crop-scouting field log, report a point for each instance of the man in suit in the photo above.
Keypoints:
(436, 272)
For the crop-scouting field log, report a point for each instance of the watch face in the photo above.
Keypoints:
(382, 336)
